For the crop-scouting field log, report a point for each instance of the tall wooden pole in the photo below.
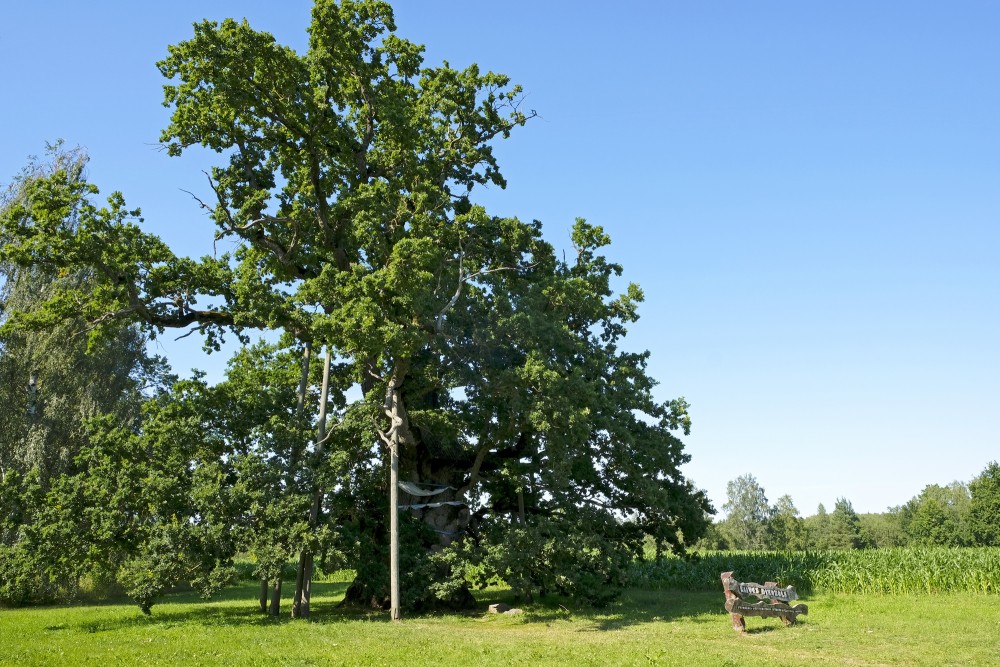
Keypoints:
(394, 611)
(397, 416)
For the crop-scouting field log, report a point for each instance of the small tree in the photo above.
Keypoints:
(844, 527)
(786, 529)
(748, 514)
(713, 539)
(54, 381)
(817, 526)
(881, 530)
(50, 382)
(939, 516)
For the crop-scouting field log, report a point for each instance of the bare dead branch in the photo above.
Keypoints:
(191, 331)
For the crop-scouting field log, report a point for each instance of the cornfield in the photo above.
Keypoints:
(901, 571)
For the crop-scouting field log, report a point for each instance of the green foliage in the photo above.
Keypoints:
(345, 180)
(140, 507)
(817, 526)
(748, 514)
(752, 523)
(24, 573)
(786, 529)
(51, 379)
(843, 531)
(984, 506)
(939, 516)
(55, 381)
(883, 530)
(953, 515)
(556, 556)
(157, 565)
(901, 571)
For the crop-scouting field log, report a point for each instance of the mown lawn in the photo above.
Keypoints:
(644, 628)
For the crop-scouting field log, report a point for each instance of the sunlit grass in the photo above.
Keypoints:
(643, 628)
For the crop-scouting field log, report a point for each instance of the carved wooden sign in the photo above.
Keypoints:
(777, 606)
(768, 590)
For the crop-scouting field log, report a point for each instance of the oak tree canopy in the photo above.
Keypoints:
(346, 178)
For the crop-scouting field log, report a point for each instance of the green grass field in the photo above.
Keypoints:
(643, 628)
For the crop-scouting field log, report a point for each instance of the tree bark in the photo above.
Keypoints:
(520, 507)
(263, 596)
(297, 598)
(276, 598)
(299, 408)
(303, 576)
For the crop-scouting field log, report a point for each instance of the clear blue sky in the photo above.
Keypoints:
(807, 193)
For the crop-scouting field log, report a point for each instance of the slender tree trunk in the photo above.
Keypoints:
(299, 584)
(303, 576)
(520, 507)
(307, 565)
(303, 380)
(276, 598)
(299, 408)
(263, 595)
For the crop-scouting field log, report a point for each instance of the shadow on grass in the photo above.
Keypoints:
(635, 607)
(237, 607)
(220, 611)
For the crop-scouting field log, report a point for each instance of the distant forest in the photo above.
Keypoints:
(959, 514)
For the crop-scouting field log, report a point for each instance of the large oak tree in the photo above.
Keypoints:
(530, 440)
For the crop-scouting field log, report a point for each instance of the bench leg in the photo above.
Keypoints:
(739, 625)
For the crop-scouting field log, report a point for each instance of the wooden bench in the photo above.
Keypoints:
(772, 601)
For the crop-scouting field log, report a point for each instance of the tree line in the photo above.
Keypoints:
(956, 515)
(404, 327)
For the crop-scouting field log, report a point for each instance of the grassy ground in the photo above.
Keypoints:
(644, 628)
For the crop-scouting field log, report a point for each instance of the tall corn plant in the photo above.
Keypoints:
(897, 571)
